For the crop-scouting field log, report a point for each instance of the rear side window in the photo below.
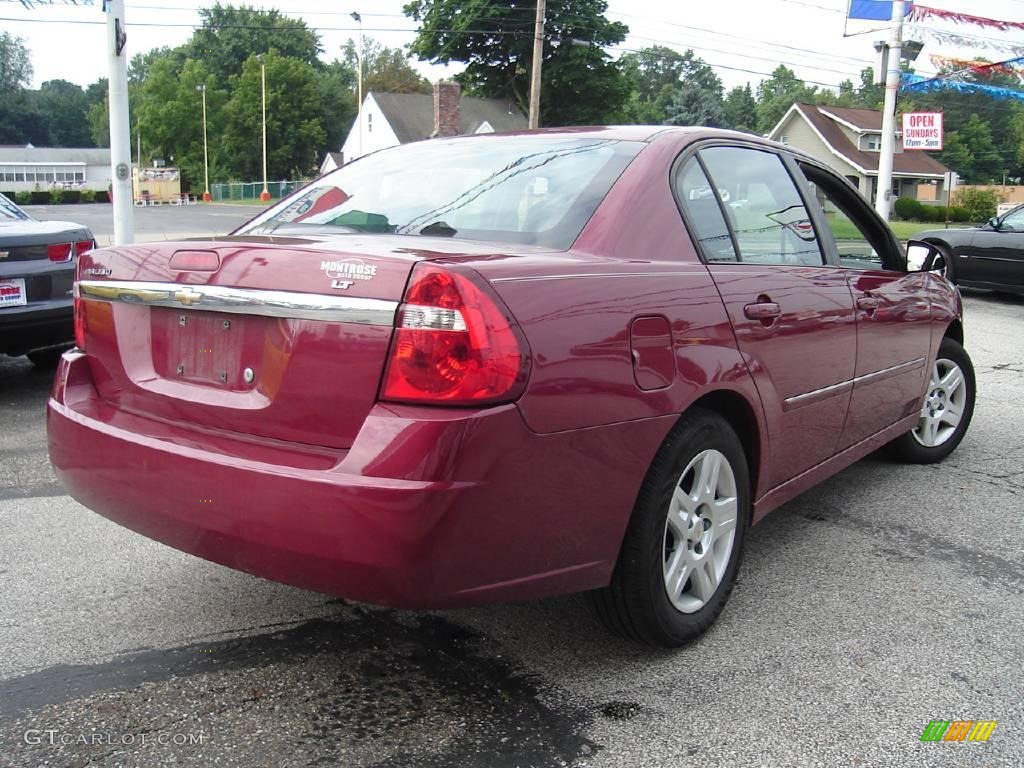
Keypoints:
(772, 225)
(703, 213)
(538, 190)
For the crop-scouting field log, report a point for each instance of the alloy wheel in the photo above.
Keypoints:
(700, 529)
(944, 405)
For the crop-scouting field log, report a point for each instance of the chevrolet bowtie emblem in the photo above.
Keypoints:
(188, 297)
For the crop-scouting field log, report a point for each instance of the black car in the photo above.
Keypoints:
(991, 256)
(37, 275)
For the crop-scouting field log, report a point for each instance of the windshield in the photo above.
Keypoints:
(11, 212)
(537, 190)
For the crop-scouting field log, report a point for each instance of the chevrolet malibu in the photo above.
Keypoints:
(502, 367)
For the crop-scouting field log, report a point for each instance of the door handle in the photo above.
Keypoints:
(868, 303)
(762, 310)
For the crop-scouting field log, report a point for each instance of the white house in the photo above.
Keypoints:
(388, 119)
(850, 140)
(23, 169)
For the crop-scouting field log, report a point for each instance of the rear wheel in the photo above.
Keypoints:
(946, 411)
(682, 548)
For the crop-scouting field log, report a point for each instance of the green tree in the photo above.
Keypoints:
(65, 105)
(580, 84)
(336, 86)
(653, 74)
(385, 69)
(229, 35)
(740, 109)
(777, 94)
(15, 64)
(972, 153)
(697, 100)
(294, 132)
(96, 114)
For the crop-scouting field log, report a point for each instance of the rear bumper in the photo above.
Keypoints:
(38, 324)
(429, 508)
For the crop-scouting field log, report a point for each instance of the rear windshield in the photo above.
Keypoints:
(10, 211)
(536, 190)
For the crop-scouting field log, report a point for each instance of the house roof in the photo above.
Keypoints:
(861, 120)
(411, 115)
(336, 157)
(913, 163)
(30, 154)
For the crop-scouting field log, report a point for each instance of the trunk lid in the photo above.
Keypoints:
(271, 337)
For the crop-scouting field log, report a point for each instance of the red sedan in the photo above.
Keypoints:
(493, 368)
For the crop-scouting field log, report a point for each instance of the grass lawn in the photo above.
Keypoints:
(905, 230)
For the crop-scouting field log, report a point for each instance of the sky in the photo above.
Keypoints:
(743, 40)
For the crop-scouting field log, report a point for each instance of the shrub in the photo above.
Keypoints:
(102, 197)
(9, 194)
(981, 204)
(57, 196)
(88, 195)
(39, 197)
(23, 198)
(959, 215)
(909, 209)
(72, 196)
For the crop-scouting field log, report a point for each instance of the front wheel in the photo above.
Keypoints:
(681, 551)
(946, 411)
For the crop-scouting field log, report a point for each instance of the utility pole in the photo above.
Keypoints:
(538, 55)
(883, 202)
(120, 129)
(265, 194)
(206, 155)
(359, 81)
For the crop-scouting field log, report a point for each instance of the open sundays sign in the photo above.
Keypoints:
(922, 130)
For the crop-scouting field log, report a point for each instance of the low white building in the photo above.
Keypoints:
(388, 119)
(28, 168)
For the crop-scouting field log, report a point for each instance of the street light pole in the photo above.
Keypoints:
(538, 55)
(206, 156)
(265, 194)
(120, 130)
(892, 84)
(359, 81)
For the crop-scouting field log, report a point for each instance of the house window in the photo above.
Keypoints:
(873, 142)
(784, 140)
(369, 122)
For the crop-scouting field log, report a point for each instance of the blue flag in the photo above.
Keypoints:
(876, 10)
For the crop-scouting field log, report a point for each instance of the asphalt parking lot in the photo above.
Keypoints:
(155, 222)
(885, 598)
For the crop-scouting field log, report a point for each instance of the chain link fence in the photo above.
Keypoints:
(250, 190)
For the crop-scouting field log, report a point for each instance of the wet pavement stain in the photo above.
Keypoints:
(368, 688)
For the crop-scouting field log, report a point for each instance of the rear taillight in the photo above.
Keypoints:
(83, 246)
(59, 252)
(454, 343)
(79, 310)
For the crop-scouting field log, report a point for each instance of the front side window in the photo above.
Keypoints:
(860, 241)
(537, 190)
(1014, 221)
(772, 225)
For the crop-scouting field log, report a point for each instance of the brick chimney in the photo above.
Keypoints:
(446, 108)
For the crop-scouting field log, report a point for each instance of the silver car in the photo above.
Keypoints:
(37, 274)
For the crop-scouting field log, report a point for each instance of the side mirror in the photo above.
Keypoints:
(994, 222)
(923, 257)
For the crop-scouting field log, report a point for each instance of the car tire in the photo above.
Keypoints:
(936, 435)
(947, 257)
(45, 358)
(679, 537)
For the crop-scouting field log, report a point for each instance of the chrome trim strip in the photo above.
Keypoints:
(246, 301)
(893, 370)
(814, 396)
